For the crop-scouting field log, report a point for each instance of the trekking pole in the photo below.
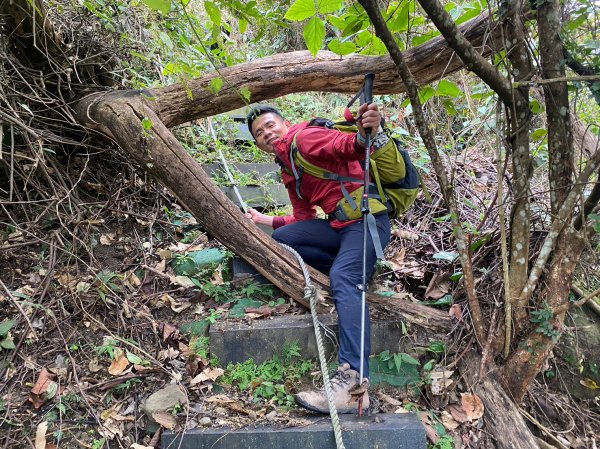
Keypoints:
(368, 97)
(226, 167)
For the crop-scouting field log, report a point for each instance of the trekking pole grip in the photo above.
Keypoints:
(368, 88)
(368, 93)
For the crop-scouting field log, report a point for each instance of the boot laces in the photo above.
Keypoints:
(340, 379)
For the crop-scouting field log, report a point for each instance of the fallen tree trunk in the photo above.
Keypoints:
(160, 154)
(119, 115)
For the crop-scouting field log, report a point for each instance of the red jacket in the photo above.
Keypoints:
(333, 150)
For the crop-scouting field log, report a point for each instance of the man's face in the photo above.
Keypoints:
(267, 128)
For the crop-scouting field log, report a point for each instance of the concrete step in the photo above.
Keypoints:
(260, 195)
(238, 341)
(381, 431)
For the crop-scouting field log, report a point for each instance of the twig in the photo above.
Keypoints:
(542, 428)
(588, 300)
(561, 79)
(16, 302)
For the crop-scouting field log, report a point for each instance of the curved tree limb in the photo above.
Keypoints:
(299, 71)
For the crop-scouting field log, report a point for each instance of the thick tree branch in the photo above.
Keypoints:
(515, 40)
(299, 71)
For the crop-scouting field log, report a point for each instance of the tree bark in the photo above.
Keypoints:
(526, 361)
(299, 71)
(119, 116)
(502, 416)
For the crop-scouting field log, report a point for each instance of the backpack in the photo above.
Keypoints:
(395, 181)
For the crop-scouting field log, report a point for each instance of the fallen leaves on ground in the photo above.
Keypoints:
(209, 373)
(471, 408)
(44, 389)
(119, 364)
(40, 435)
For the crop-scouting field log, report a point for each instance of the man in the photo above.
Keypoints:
(331, 246)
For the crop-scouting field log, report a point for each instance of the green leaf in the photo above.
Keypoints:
(380, 372)
(468, 15)
(7, 343)
(406, 358)
(239, 309)
(426, 93)
(596, 220)
(437, 347)
(147, 123)
(539, 134)
(444, 301)
(243, 24)
(245, 93)
(215, 85)
(535, 106)
(448, 88)
(136, 360)
(341, 48)
(5, 326)
(163, 6)
(329, 6)
(195, 328)
(456, 276)
(418, 40)
(449, 256)
(337, 22)
(314, 34)
(399, 22)
(213, 12)
(300, 10)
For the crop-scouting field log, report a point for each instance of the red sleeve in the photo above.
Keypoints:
(327, 144)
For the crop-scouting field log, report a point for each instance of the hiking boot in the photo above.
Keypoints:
(344, 383)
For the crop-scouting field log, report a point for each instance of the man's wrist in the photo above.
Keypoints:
(361, 139)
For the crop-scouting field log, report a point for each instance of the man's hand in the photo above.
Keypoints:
(368, 117)
(259, 218)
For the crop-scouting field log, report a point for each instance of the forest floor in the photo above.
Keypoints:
(106, 308)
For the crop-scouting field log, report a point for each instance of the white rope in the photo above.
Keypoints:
(311, 293)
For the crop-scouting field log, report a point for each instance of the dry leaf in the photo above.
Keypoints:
(165, 419)
(448, 421)
(438, 286)
(455, 312)
(220, 399)
(458, 413)
(440, 381)
(140, 446)
(45, 383)
(208, 374)
(40, 435)
(472, 405)
(406, 235)
(397, 260)
(217, 277)
(176, 306)
(108, 238)
(119, 364)
(262, 311)
(589, 383)
(388, 399)
(431, 433)
(182, 281)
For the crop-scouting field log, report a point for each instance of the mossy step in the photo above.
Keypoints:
(236, 341)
